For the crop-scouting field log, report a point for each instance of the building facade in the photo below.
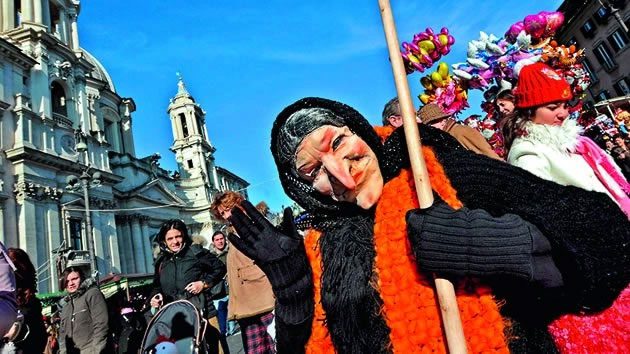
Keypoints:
(61, 116)
(595, 25)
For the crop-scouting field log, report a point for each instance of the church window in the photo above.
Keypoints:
(182, 120)
(58, 96)
(76, 241)
(111, 134)
(17, 5)
(190, 163)
(55, 20)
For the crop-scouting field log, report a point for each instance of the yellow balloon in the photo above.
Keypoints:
(427, 45)
(443, 70)
(443, 39)
(424, 98)
(436, 78)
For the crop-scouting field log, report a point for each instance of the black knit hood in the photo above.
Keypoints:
(297, 121)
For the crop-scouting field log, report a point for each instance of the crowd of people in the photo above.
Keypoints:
(532, 228)
(535, 239)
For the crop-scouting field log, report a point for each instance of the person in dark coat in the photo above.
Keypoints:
(32, 336)
(83, 328)
(187, 271)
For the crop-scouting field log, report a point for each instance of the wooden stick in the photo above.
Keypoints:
(445, 291)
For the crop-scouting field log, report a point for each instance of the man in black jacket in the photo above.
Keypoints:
(186, 271)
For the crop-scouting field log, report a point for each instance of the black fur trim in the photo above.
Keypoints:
(352, 304)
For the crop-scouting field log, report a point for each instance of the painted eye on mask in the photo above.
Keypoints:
(312, 174)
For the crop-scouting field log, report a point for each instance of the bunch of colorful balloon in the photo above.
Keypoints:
(441, 88)
(539, 26)
(492, 59)
(425, 49)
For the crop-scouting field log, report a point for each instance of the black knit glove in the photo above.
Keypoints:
(472, 242)
(279, 252)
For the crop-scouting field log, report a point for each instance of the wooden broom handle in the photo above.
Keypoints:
(444, 288)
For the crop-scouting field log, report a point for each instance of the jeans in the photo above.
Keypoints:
(222, 308)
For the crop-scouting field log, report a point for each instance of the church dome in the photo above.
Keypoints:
(99, 72)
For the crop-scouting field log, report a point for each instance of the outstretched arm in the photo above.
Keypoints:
(472, 242)
(279, 252)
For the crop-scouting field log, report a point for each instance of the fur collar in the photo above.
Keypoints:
(218, 252)
(559, 137)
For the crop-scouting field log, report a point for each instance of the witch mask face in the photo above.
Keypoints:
(339, 164)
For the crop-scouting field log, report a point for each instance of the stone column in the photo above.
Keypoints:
(27, 226)
(100, 252)
(54, 241)
(127, 244)
(117, 136)
(192, 125)
(127, 136)
(63, 25)
(205, 131)
(38, 225)
(215, 177)
(138, 249)
(8, 15)
(148, 247)
(121, 245)
(37, 11)
(113, 247)
(74, 30)
(174, 128)
(27, 10)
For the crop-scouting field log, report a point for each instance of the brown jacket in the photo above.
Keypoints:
(470, 138)
(250, 290)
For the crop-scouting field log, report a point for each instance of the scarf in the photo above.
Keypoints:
(596, 158)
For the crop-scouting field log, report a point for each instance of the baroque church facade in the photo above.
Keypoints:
(61, 117)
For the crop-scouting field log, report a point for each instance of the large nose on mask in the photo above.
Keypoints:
(338, 172)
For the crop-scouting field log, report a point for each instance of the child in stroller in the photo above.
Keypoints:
(177, 328)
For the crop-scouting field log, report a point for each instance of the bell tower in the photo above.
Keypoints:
(191, 145)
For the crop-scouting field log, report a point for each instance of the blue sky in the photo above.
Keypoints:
(244, 61)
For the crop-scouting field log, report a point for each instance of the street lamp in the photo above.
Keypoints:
(84, 182)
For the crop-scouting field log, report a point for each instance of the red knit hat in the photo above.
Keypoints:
(539, 84)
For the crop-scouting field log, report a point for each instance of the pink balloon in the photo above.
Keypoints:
(514, 30)
(418, 67)
(451, 40)
(535, 25)
(554, 21)
(444, 30)
(429, 30)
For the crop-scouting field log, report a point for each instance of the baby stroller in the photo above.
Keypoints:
(177, 328)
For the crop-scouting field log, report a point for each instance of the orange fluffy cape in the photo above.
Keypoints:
(410, 307)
